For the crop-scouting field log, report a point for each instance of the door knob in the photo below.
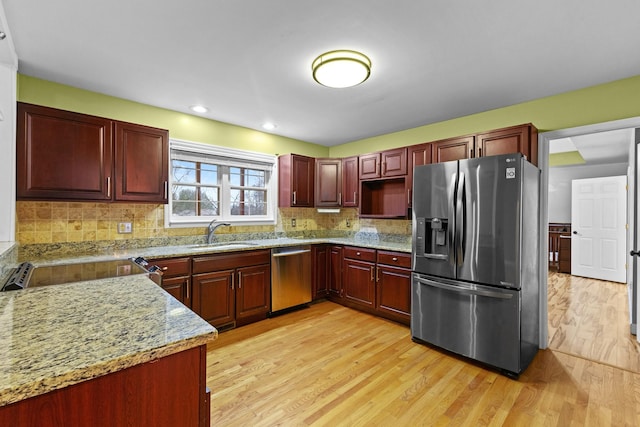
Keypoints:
(575, 232)
(634, 253)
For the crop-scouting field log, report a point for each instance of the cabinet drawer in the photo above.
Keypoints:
(394, 258)
(360, 253)
(172, 267)
(205, 264)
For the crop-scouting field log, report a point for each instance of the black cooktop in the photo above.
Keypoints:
(27, 275)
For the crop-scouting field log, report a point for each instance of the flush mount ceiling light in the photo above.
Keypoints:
(199, 109)
(341, 68)
(269, 126)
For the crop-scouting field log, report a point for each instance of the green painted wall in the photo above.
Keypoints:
(566, 159)
(611, 101)
(180, 125)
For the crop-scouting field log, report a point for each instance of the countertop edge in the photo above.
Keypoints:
(89, 372)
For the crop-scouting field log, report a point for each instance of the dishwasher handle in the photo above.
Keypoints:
(281, 254)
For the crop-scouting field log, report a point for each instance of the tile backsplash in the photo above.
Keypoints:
(64, 222)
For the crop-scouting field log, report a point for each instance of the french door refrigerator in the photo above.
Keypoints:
(475, 258)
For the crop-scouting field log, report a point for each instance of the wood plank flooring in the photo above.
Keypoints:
(329, 365)
(590, 318)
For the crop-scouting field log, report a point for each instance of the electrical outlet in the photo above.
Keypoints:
(348, 222)
(293, 222)
(124, 227)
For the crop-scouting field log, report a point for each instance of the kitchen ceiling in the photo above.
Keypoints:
(249, 61)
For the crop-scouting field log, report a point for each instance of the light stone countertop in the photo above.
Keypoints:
(56, 336)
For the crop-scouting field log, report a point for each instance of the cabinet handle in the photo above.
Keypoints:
(372, 268)
(294, 197)
(358, 253)
(377, 275)
(339, 198)
(408, 196)
(479, 152)
(471, 154)
(164, 268)
(384, 168)
(186, 283)
(166, 189)
(394, 259)
(355, 197)
(109, 187)
(239, 280)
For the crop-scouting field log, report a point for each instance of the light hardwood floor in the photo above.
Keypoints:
(590, 318)
(332, 366)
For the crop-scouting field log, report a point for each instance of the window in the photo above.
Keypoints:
(209, 182)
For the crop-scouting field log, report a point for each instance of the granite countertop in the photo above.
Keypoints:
(221, 247)
(56, 336)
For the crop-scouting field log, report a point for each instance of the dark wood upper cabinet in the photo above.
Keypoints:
(142, 158)
(350, 182)
(296, 180)
(418, 155)
(453, 149)
(385, 164)
(328, 183)
(62, 155)
(516, 139)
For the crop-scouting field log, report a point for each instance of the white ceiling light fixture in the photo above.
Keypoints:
(199, 109)
(341, 68)
(269, 126)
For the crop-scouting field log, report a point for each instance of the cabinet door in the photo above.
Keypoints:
(214, 297)
(296, 180)
(393, 293)
(142, 163)
(320, 277)
(517, 139)
(370, 166)
(350, 182)
(179, 288)
(335, 272)
(418, 155)
(328, 183)
(62, 155)
(253, 293)
(394, 162)
(453, 149)
(358, 282)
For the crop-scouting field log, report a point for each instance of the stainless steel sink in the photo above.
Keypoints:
(223, 245)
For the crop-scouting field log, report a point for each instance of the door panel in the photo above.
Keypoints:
(598, 212)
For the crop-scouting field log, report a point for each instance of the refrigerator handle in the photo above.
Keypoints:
(461, 219)
(451, 232)
(463, 289)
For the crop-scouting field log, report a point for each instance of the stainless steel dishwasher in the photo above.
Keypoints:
(290, 277)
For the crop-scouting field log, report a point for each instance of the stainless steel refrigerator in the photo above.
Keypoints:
(475, 258)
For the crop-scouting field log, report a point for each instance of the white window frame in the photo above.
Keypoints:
(225, 156)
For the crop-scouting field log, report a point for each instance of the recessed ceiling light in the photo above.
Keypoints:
(199, 109)
(3, 35)
(269, 126)
(341, 68)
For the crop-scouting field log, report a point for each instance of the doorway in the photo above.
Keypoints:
(544, 149)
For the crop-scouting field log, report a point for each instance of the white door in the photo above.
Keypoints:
(598, 222)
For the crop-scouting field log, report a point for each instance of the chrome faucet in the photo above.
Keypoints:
(212, 228)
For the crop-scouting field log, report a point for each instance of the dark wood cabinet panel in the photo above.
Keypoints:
(253, 294)
(394, 162)
(358, 282)
(453, 149)
(296, 180)
(418, 155)
(393, 293)
(328, 183)
(350, 182)
(320, 271)
(369, 166)
(214, 297)
(170, 391)
(383, 198)
(141, 167)
(516, 139)
(63, 155)
(335, 272)
(179, 287)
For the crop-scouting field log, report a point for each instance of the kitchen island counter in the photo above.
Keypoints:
(57, 336)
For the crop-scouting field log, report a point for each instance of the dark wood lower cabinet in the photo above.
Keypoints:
(169, 392)
(214, 297)
(320, 271)
(253, 293)
(375, 281)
